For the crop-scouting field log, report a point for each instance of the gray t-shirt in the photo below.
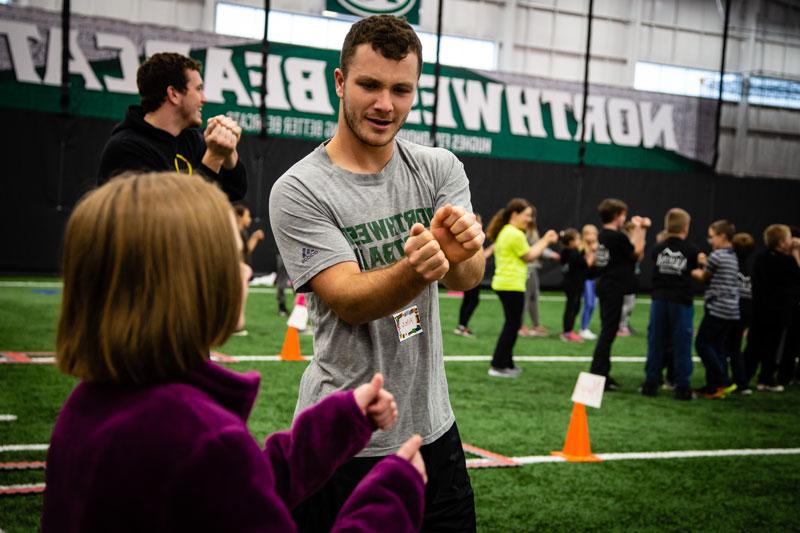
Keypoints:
(323, 215)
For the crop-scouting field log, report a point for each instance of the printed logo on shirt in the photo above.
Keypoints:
(602, 256)
(308, 253)
(379, 243)
(671, 263)
(745, 286)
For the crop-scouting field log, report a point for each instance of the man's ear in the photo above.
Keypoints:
(174, 95)
(338, 78)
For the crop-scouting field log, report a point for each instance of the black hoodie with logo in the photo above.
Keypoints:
(136, 145)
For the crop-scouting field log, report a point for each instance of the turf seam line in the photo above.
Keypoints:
(25, 488)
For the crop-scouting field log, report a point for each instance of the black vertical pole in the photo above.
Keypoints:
(65, 56)
(582, 147)
(64, 103)
(721, 75)
(437, 69)
(262, 108)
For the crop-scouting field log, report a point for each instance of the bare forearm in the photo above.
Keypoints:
(359, 297)
(638, 242)
(467, 274)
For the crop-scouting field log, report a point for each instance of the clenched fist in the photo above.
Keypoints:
(425, 254)
(458, 233)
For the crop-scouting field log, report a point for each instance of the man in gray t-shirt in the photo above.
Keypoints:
(368, 225)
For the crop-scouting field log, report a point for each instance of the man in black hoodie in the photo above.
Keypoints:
(163, 133)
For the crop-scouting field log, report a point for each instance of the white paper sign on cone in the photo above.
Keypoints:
(299, 318)
(589, 389)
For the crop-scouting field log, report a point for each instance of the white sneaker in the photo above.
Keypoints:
(586, 334)
(504, 372)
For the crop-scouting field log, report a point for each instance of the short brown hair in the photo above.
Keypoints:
(158, 73)
(568, 235)
(743, 245)
(611, 208)
(392, 37)
(723, 227)
(151, 279)
(676, 220)
(774, 234)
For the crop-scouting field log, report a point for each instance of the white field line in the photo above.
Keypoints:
(8, 418)
(24, 448)
(473, 358)
(485, 295)
(42, 284)
(535, 459)
(681, 454)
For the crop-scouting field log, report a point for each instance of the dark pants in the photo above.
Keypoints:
(787, 366)
(572, 308)
(713, 340)
(610, 313)
(513, 303)
(736, 356)
(671, 324)
(449, 501)
(281, 282)
(468, 305)
(766, 343)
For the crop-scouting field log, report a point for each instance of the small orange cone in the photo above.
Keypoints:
(577, 448)
(291, 346)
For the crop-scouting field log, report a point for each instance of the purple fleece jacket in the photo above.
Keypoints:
(178, 456)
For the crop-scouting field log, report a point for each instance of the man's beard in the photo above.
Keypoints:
(352, 121)
(191, 119)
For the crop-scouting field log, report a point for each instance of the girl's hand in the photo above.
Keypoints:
(377, 403)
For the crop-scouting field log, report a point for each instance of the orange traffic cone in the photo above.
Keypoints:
(291, 346)
(577, 448)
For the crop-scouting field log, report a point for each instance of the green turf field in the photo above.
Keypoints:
(515, 418)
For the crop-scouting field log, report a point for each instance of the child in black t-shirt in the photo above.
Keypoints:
(776, 294)
(671, 308)
(575, 267)
(614, 266)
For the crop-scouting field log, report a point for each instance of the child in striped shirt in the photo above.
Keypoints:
(721, 309)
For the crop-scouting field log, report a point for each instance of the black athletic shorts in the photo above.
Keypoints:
(449, 502)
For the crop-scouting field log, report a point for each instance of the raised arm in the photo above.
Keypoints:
(535, 251)
(220, 161)
(638, 236)
(358, 297)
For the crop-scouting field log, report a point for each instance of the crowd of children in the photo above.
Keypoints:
(750, 300)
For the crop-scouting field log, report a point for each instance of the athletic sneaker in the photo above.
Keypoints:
(648, 389)
(587, 334)
(721, 392)
(611, 384)
(571, 336)
(463, 331)
(624, 331)
(763, 387)
(667, 385)
(240, 333)
(536, 331)
(504, 372)
(747, 391)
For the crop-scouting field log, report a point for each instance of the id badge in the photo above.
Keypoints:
(408, 323)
